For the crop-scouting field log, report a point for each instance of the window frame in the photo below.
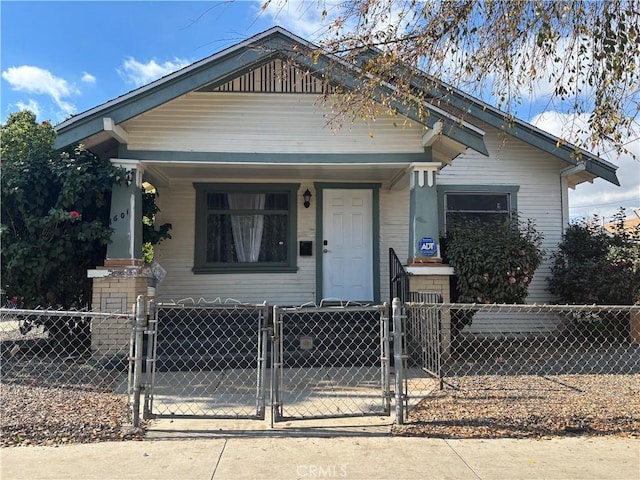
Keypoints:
(201, 266)
(510, 190)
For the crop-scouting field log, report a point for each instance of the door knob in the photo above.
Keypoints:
(325, 250)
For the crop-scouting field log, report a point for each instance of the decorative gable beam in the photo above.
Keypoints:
(431, 136)
(116, 131)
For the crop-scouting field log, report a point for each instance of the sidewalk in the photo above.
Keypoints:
(205, 450)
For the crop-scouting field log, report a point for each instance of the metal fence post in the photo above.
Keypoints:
(140, 326)
(263, 330)
(276, 366)
(152, 328)
(398, 342)
(386, 357)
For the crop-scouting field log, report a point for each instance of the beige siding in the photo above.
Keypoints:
(264, 123)
(176, 256)
(177, 204)
(540, 196)
(283, 123)
(515, 163)
(394, 232)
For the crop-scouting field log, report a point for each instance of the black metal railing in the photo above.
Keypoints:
(398, 279)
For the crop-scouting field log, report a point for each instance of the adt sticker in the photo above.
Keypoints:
(428, 247)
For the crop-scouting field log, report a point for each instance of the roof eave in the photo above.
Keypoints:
(260, 48)
(517, 128)
(89, 122)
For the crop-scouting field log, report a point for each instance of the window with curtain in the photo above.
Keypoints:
(249, 227)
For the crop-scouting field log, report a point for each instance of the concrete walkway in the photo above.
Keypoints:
(348, 448)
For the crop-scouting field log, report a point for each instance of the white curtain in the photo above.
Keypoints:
(247, 229)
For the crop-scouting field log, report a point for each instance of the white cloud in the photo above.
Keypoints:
(313, 19)
(303, 18)
(139, 73)
(549, 72)
(31, 105)
(35, 80)
(88, 78)
(600, 197)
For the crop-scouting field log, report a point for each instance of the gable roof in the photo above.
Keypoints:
(586, 161)
(441, 93)
(224, 66)
(234, 61)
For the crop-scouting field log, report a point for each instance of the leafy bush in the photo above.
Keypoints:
(494, 261)
(593, 266)
(55, 215)
(150, 234)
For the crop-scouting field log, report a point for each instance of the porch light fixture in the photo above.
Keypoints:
(307, 198)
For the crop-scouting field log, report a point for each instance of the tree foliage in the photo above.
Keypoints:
(584, 54)
(593, 266)
(55, 211)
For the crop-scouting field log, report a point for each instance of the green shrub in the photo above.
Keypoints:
(592, 266)
(151, 235)
(494, 261)
(55, 216)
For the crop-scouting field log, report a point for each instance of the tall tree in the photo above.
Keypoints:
(583, 54)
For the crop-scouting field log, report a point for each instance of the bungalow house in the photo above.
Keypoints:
(268, 202)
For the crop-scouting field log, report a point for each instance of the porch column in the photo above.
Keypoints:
(427, 272)
(123, 277)
(126, 216)
(424, 230)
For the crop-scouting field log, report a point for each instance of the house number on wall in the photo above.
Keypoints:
(119, 216)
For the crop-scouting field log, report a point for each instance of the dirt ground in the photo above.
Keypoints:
(525, 406)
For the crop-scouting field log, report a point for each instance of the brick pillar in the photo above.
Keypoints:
(435, 278)
(115, 289)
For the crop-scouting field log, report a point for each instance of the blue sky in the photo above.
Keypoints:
(60, 58)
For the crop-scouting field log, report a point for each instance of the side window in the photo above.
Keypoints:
(463, 206)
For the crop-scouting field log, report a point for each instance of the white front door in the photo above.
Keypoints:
(347, 247)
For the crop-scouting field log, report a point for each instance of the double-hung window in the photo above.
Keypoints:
(486, 204)
(245, 228)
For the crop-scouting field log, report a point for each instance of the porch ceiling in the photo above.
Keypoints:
(389, 175)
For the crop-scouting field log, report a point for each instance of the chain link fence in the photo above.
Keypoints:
(67, 349)
(483, 351)
(66, 376)
(330, 362)
(215, 360)
(207, 360)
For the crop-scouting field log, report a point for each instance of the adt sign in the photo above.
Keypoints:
(428, 247)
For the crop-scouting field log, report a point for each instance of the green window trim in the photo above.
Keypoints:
(201, 266)
(511, 190)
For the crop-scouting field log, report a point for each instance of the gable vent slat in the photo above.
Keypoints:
(276, 77)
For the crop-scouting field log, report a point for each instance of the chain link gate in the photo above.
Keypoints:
(206, 360)
(330, 362)
(424, 333)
